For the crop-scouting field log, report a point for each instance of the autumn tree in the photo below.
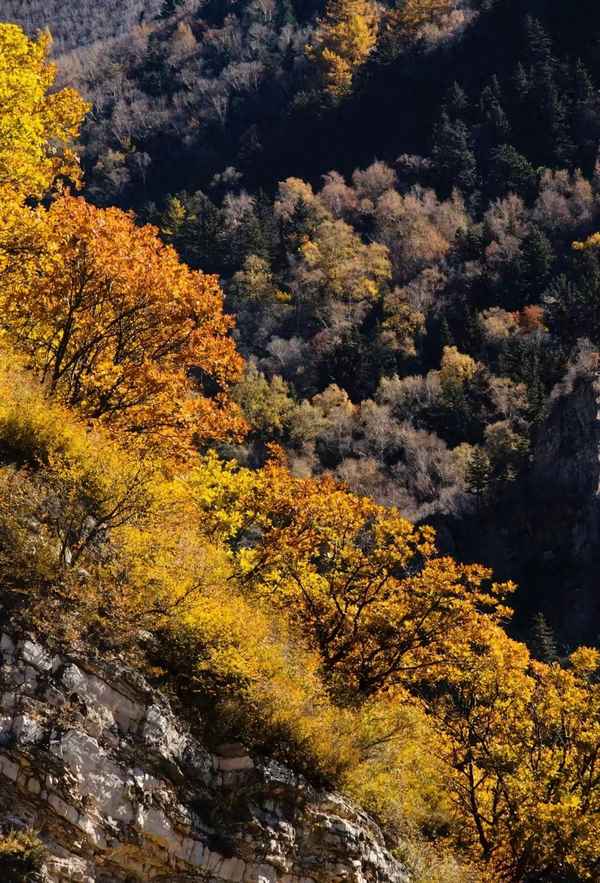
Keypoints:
(522, 741)
(267, 405)
(591, 242)
(343, 41)
(366, 588)
(121, 329)
(456, 370)
(38, 124)
(418, 228)
(37, 128)
(335, 274)
(409, 16)
(402, 323)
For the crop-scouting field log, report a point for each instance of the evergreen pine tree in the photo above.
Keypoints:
(547, 107)
(521, 83)
(478, 477)
(495, 121)
(543, 642)
(585, 116)
(538, 258)
(539, 44)
(583, 85)
(458, 103)
(511, 172)
(446, 336)
(453, 156)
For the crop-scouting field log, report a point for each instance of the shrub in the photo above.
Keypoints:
(22, 857)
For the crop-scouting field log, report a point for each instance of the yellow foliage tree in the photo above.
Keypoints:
(456, 367)
(402, 323)
(522, 741)
(329, 627)
(116, 325)
(343, 41)
(38, 126)
(364, 586)
(456, 370)
(502, 754)
(592, 241)
(336, 272)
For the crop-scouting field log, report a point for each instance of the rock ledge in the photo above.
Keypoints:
(119, 790)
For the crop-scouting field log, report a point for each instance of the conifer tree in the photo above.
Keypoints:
(543, 641)
(169, 7)
(511, 172)
(453, 155)
(479, 475)
(537, 258)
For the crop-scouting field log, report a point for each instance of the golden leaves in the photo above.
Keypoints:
(344, 39)
(409, 17)
(592, 241)
(37, 127)
(115, 323)
(332, 621)
(365, 587)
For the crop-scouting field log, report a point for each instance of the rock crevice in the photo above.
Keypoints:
(120, 790)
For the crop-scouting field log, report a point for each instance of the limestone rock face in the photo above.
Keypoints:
(118, 788)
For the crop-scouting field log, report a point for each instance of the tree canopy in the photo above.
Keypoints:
(121, 329)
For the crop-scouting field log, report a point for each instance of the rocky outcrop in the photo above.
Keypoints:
(543, 532)
(119, 789)
(567, 460)
(566, 491)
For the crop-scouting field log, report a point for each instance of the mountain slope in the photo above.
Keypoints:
(75, 25)
(230, 537)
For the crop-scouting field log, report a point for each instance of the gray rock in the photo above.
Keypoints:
(122, 791)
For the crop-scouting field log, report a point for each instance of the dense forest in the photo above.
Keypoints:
(293, 296)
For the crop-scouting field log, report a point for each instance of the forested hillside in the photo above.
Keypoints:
(76, 25)
(390, 196)
(272, 433)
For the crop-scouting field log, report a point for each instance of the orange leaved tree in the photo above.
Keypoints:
(366, 588)
(118, 327)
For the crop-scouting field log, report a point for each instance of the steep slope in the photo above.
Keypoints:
(110, 576)
(203, 614)
(98, 763)
(567, 474)
(545, 533)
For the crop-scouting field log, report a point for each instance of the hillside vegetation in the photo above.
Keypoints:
(390, 194)
(301, 618)
(79, 24)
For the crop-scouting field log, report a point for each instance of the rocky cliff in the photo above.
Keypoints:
(565, 489)
(119, 789)
(567, 459)
(543, 532)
